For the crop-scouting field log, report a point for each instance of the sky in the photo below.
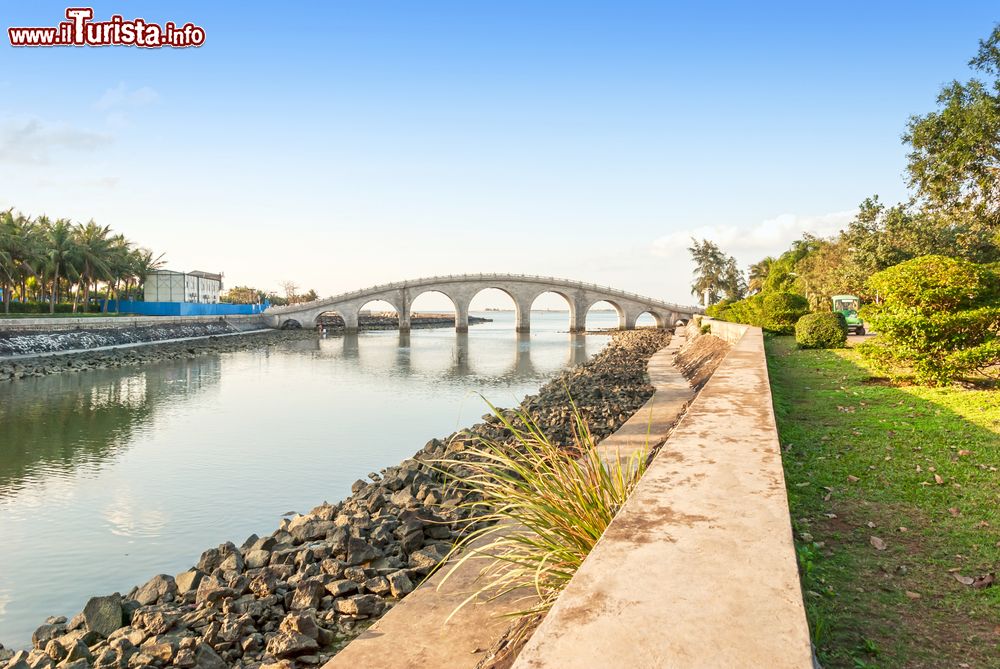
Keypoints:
(346, 144)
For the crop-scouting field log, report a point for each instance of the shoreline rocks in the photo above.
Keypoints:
(20, 342)
(295, 597)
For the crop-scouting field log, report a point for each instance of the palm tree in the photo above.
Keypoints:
(6, 256)
(119, 268)
(35, 252)
(144, 262)
(94, 253)
(20, 254)
(62, 255)
(758, 274)
(716, 274)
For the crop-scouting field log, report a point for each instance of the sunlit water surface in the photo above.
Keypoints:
(108, 477)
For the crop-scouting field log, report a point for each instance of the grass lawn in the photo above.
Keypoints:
(895, 496)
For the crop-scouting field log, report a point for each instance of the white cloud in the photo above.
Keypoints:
(31, 141)
(749, 244)
(122, 96)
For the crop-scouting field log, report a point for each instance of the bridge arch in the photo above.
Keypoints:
(570, 304)
(417, 294)
(378, 305)
(524, 289)
(611, 303)
(522, 314)
(659, 321)
(489, 298)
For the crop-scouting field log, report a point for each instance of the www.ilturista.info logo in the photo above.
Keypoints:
(81, 30)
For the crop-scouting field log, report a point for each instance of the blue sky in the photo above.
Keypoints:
(343, 144)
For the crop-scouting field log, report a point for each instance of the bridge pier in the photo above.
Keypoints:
(627, 321)
(350, 317)
(404, 318)
(523, 311)
(578, 316)
(461, 315)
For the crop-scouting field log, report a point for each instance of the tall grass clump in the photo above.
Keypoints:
(537, 508)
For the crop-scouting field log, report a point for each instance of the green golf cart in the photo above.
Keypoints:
(849, 305)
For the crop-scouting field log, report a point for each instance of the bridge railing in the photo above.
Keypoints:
(451, 277)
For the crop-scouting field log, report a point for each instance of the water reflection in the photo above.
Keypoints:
(54, 425)
(398, 355)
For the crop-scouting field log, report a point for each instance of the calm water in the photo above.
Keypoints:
(108, 477)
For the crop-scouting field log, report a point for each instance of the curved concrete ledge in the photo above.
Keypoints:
(415, 634)
(698, 569)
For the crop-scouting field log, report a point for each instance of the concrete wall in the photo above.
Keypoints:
(730, 332)
(698, 569)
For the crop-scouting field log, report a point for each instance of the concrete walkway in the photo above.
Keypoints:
(414, 633)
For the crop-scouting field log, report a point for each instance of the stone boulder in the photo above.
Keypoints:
(159, 588)
(360, 551)
(307, 594)
(290, 644)
(258, 558)
(188, 581)
(212, 591)
(45, 633)
(226, 554)
(428, 557)
(399, 584)
(206, 658)
(358, 605)
(103, 615)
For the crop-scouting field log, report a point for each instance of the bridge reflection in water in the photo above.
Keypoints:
(405, 354)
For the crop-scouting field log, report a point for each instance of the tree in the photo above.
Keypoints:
(291, 290)
(716, 274)
(244, 295)
(62, 255)
(954, 162)
(20, 253)
(93, 251)
(822, 273)
(939, 317)
(758, 274)
(781, 275)
(143, 263)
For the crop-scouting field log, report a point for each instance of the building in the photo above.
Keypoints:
(197, 287)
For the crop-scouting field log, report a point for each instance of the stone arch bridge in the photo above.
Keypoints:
(461, 288)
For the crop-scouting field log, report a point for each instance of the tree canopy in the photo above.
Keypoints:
(954, 162)
(44, 259)
(716, 275)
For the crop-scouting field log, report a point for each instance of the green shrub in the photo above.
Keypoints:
(821, 330)
(779, 312)
(776, 312)
(718, 309)
(706, 328)
(939, 317)
(741, 311)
